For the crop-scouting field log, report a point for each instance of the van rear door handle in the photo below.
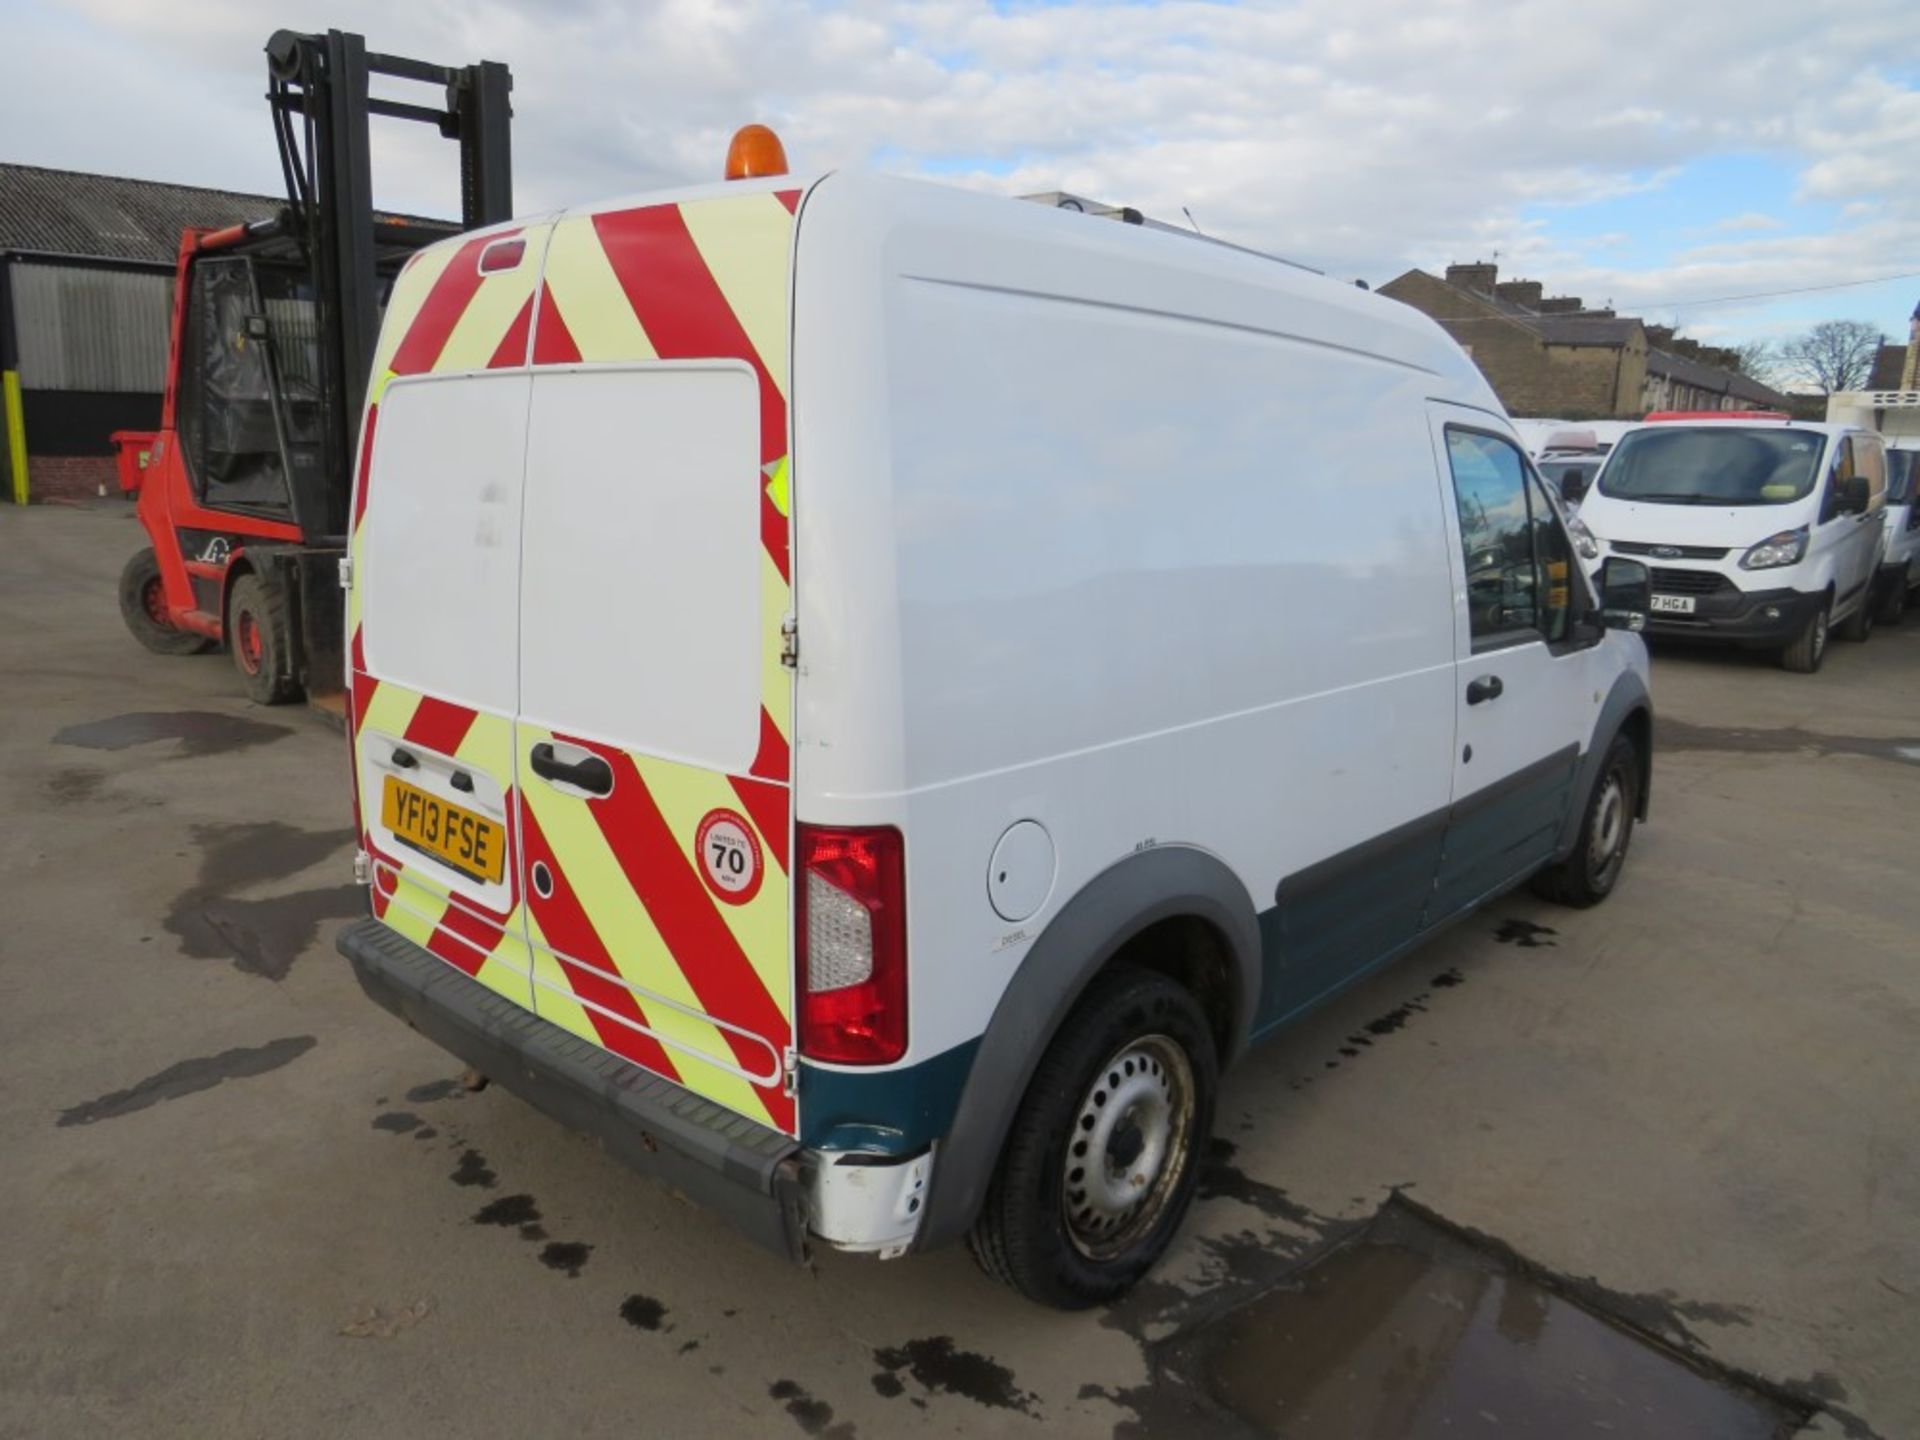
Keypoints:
(1485, 687)
(592, 774)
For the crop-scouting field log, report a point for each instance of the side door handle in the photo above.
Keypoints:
(1484, 687)
(593, 775)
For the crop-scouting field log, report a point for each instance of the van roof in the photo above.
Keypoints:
(1353, 318)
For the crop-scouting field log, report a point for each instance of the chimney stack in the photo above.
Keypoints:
(1524, 293)
(1477, 276)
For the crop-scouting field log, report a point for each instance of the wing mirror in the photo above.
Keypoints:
(1626, 594)
(1855, 495)
(1573, 486)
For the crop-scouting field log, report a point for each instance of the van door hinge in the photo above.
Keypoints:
(790, 643)
(789, 1071)
(362, 868)
(346, 572)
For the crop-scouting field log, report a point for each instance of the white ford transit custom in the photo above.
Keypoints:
(1762, 531)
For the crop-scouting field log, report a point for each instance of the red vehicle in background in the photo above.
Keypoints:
(244, 495)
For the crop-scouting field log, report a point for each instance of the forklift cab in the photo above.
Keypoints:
(250, 407)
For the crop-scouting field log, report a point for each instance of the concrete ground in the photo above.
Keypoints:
(241, 1201)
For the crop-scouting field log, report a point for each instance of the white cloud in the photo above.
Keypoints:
(1358, 135)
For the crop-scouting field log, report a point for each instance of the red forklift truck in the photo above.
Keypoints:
(245, 493)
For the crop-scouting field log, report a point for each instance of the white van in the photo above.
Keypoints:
(1764, 531)
(867, 696)
(1900, 548)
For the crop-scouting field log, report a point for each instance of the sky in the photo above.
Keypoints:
(1655, 156)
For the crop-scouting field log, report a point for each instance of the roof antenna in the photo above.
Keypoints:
(1198, 231)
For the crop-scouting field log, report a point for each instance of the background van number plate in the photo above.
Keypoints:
(729, 856)
(1674, 604)
(470, 843)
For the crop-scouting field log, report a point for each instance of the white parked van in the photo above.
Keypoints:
(1763, 531)
(1900, 547)
(867, 696)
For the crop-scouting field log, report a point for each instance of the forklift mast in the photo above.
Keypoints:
(319, 93)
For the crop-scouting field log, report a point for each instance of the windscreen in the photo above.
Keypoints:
(1721, 465)
(1903, 471)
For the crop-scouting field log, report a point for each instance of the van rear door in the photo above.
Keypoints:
(432, 604)
(651, 743)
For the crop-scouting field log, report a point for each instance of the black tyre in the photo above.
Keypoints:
(1859, 625)
(1104, 1154)
(260, 641)
(1809, 647)
(1588, 875)
(143, 605)
(1893, 602)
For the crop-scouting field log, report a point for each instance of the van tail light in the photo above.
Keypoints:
(850, 922)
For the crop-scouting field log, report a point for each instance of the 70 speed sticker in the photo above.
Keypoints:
(729, 856)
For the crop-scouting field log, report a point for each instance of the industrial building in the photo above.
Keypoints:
(86, 285)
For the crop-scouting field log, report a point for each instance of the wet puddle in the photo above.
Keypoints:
(1790, 740)
(200, 732)
(1411, 1333)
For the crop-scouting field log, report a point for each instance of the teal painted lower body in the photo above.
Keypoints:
(883, 1112)
(1330, 927)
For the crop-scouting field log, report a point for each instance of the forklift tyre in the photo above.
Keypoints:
(261, 641)
(143, 605)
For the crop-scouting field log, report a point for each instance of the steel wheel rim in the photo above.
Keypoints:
(1609, 823)
(1131, 1137)
(153, 599)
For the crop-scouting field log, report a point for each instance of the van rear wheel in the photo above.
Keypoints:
(1859, 625)
(1103, 1158)
(1588, 875)
(1893, 602)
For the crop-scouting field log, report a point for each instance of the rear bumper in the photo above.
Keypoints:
(1759, 618)
(749, 1174)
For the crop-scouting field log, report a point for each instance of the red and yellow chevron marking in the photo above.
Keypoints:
(663, 973)
(488, 944)
(631, 950)
(703, 280)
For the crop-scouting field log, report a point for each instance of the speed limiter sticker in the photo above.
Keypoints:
(729, 856)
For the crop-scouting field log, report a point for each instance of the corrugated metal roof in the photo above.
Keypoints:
(67, 212)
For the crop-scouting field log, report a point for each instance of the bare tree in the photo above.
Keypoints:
(1757, 360)
(1834, 355)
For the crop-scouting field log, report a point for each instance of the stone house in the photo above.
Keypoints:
(1553, 355)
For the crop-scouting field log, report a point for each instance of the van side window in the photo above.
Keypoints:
(1842, 470)
(1496, 536)
(1553, 552)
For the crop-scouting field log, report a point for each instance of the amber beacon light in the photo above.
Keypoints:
(755, 150)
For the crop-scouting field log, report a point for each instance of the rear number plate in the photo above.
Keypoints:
(470, 843)
(1674, 604)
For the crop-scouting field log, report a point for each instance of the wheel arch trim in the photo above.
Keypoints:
(1164, 883)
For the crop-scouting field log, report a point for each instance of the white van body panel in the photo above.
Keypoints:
(1077, 568)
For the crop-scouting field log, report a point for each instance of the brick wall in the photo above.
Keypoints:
(71, 477)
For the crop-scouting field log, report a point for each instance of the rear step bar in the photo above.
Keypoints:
(744, 1171)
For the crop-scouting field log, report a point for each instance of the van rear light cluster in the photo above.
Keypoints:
(851, 925)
